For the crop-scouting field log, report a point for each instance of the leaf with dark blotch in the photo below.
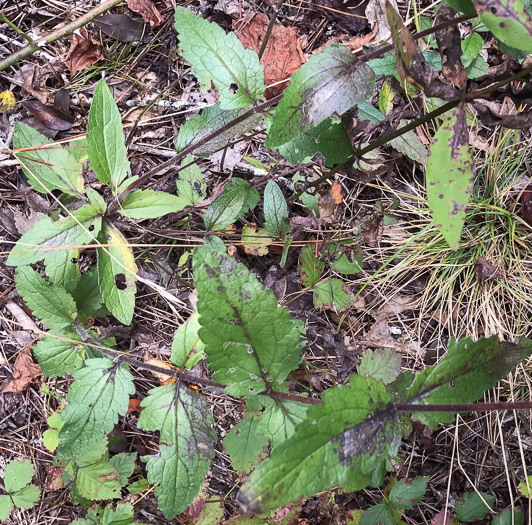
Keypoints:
(450, 176)
(468, 369)
(54, 117)
(341, 442)
(449, 44)
(508, 20)
(522, 120)
(331, 82)
(120, 27)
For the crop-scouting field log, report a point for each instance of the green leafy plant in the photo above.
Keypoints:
(17, 484)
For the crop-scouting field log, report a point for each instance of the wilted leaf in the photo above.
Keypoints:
(119, 27)
(24, 371)
(148, 11)
(485, 270)
(450, 176)
(331, 82)
(54, 117)
(84, 52)
(508, 20)
(255, 242)
(283, 55)
(522, 120)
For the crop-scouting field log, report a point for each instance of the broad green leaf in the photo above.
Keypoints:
(340, 261)
(331, 82)
(505, 517)
(191, 187)
(328, 138)
(47, 238)
(26, 497)
(117, 273)
(523, 487)
(407, 493)
(310, 266)
(385, 66)
(150, 204)
(377, 515)
(105, 139)
(63, 268)
(17, 475)
(508, 20)
(57, 357)
(464, 6)
(6, 505)
(477, 68)
(245, 444)
(275, 211)
(212, 513)
(210, 120)
(238, 197)
(122, 515)
(47, 169)
(470, 507)
(341, 442)
(465, 373)
(99, 394)
(187, 347)
(96, 200)
(50, 437)
(125, 465)
(450, 175)
(87, 295)
(330, 295)
(98, 481)
(186, 444)
(280, 420)
(382, 365)
(220, 57)
(138, 487)
(49, 302)
(242, 326)
(471, 46)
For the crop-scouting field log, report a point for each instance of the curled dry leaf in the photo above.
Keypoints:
(336, 192)
(84, 52)
(328, 208)
(283, 55)
(24, 371)
(148, 11)
(54, 117)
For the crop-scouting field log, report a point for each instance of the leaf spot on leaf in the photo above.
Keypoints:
(120, 281)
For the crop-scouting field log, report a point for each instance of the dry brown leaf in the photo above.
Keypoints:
(134, 406)
(485, 270)
(328, 208)
(162, 378)
(336, 192)
(54, 478)
(353, 44)
(84, 52)
(148, 11)
(24, 371)
(283, 55)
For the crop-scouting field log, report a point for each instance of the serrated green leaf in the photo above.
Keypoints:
(105, 139)
(221, 57)
(507, 517)
(210, 120)
(117, 273)
(382, 365)
(212, 513)
(242, 325)
(377, 515)
(450, 176)
(122, 515)
(238, 197)
(63, 268)
(385, 66)
(331, 295)
(508, 20)
(99, 394)
(471, 46)
(45, 239)
(191, 187)
(6, 505)
(26, 497)
(150, 204)
(280, 420)
(47, 169)
(49, 302)
(245, 444)
(17, 475)
(465, 373)
(407, 493)
(477, 68)
(331, 82)
(125, 465)
(275, 211)
(57, 357)
(341, 263)
(310, 266)
(470, 507)
(186, 444)
(328, 138)
(138, 487)
(337, 444)
(187, 347)
(88, 297)
(98, 481)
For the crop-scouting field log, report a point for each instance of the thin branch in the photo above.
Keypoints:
(276, 10)
(469, 407)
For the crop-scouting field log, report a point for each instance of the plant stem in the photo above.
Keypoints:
(57, 34)
(469, 407)
(4, 19)
(276, 9)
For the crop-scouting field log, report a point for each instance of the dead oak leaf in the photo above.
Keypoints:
(283, 55)
(148, 11)
(24, 371)
(84, 52)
